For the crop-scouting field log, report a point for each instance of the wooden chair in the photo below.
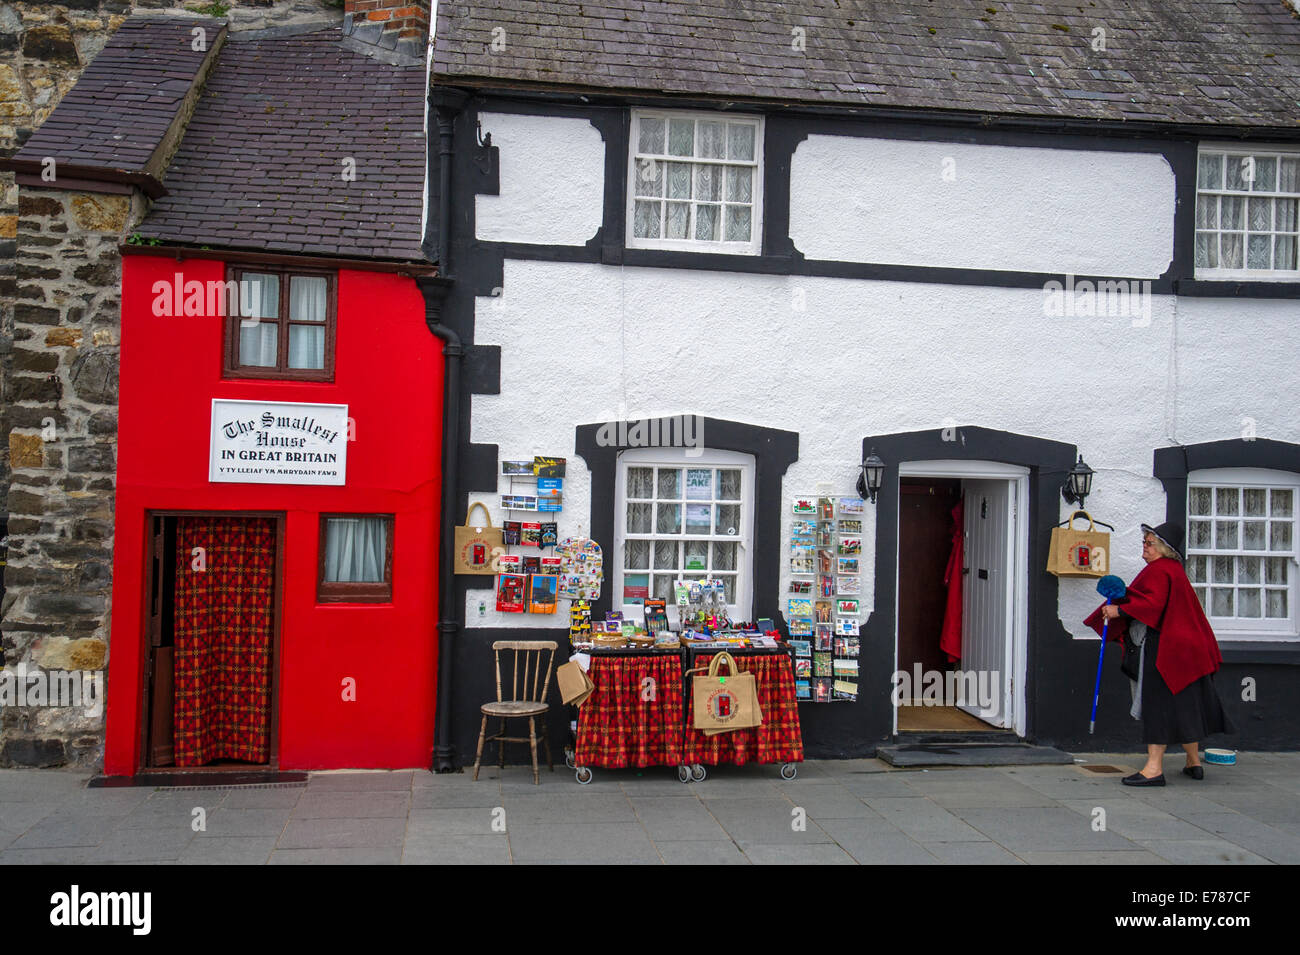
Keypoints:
(528, 691)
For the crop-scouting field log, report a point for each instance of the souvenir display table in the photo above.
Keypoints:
(777, 740)
(634, 716)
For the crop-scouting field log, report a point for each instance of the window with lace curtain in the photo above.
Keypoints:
(683, 518)
(1241, 549)
(1247, 213)
(283, 326)
(356, 558)
(695, 182)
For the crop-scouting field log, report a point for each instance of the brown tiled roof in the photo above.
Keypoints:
(116, 116)
(1224, 62)
(262, 164)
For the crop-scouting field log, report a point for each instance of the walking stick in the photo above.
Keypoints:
(1112, 588)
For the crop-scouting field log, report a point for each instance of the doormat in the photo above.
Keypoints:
(211, 780)
(972, 754)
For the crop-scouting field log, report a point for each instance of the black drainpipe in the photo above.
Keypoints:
(435, 291)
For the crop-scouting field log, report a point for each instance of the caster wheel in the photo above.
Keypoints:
(683, 774)
(570, 761)
(789, 770)
(583, 775)
(698, 772)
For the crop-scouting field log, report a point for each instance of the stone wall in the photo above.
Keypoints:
(60, 280)
(61, 420)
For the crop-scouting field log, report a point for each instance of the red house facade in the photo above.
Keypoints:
(349, 677)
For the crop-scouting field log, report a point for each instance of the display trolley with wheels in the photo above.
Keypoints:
(777, 740)
(634, 716)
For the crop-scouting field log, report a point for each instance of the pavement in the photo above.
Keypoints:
(841, 812)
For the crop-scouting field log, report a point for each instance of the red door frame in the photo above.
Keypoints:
(273, 762)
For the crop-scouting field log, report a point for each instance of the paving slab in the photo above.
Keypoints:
(972, 853)
(354, 781)
(701, 852)
(143, 845)
(264, 798)
(337, 856)
(1045, 830)
(1107, 857)
(1137, 821)
(59, 831)
(1202, 852)
(342, 833)
(828, 801)
(228, 823)
(233, 850)
(825, 854)
(377, 804)
(431, 824)
(923, 820)
(555, 807)
(1273, 844)
(458, 850)
(594, 843)
(72, 855)
(886, 848)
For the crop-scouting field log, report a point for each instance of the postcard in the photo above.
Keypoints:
(800, 586)
(845, 667)
(802, 667)
(803, 528)
(822, 691)
(847, 606)
(548, 467)
(802, 690)
(848, 585)
(846, 690)
(825, 508)
(800, 626)
(530, 534)
(805, 505)
(822, 637)
(850, 545)
(846, 646)
(517, 468)
(821, 663)
(510, 532)
(541, 593)
(852, 505)
(847, 626)
(802, 648)
(842, 526)
(846, 565)
(800, 607)
(824, 611)
(825, 533)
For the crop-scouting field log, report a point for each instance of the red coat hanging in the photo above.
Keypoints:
(1162, 597)
(950, 637)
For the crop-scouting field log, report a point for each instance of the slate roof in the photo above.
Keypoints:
(117, 114)
(1221, 62)
(262, 164)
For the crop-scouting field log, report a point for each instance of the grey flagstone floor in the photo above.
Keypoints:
(841, 812)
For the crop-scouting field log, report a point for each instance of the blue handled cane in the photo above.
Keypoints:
(1112, 588)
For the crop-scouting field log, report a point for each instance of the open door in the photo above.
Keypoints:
(987, 595)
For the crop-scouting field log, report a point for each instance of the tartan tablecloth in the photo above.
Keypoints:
(777, 740)
(634, 715)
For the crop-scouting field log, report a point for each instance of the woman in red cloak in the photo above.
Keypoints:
(1179, 655)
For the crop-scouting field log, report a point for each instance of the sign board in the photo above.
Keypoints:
(277, 442)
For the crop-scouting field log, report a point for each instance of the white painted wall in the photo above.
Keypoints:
(838, 359)
(1007, 208)
(552, 181)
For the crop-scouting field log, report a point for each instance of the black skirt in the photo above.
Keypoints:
(1171, 719)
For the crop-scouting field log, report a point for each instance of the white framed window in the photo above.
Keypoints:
(695, 182)
(683, 518)
(1241, 549)
(1248, 213)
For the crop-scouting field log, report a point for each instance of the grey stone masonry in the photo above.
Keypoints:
(61, 427)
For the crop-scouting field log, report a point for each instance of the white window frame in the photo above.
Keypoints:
(1239, 152)
(1252, 628)
(742, 608)
(755, 244)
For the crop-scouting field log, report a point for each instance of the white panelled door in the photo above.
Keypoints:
(988, 589)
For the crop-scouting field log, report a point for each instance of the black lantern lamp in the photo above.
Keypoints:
(1078, 484)
(873, 473)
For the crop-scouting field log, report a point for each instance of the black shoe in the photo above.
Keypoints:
(1196, 772)
(1137, 779)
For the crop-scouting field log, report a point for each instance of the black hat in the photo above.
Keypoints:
(1170, 533)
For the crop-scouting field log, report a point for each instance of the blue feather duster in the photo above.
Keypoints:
(1111, 587)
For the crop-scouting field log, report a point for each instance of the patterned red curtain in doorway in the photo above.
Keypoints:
(225, 598)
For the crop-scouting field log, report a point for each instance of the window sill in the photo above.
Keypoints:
(1238, 288)
(1280, 652)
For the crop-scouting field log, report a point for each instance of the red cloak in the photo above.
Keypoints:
(950, 637)
(1162, 597)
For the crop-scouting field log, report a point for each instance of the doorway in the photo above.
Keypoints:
(962, 597)
(212, 641)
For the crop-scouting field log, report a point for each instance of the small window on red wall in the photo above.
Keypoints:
(283, 326)
(356, 558)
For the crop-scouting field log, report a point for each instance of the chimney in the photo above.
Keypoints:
(400, 27)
